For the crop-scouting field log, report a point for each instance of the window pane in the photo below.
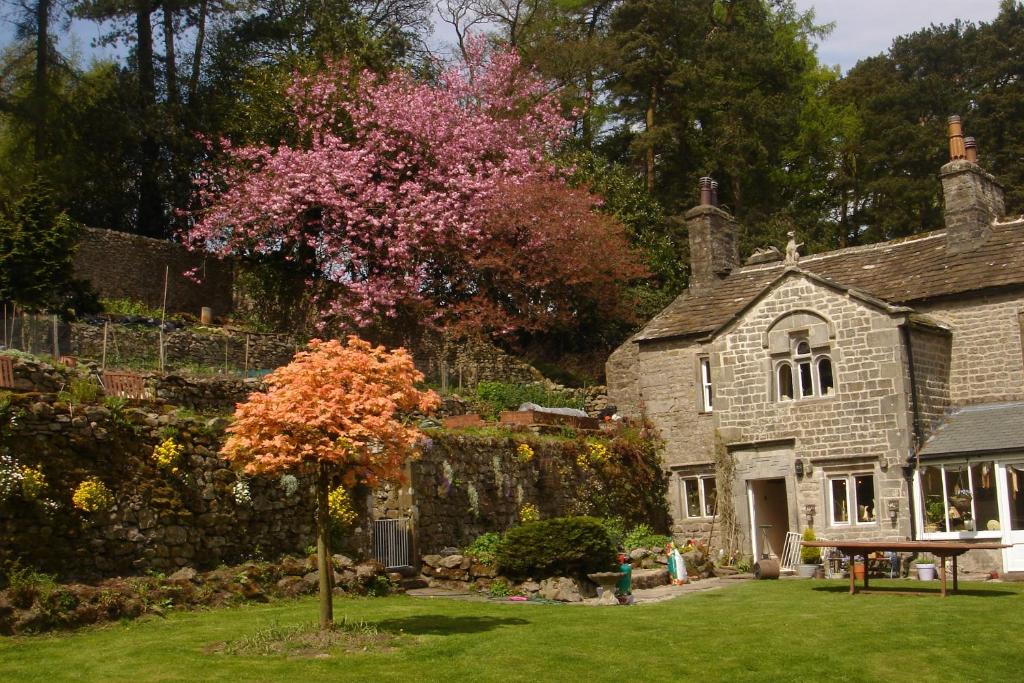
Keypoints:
(806, 383)
(934, 505)
(785, 382)
(840, 511)
(1015, 492)
(803, 349)
(986, 505)
(710, 496)
(864, 495)
(825, 381)
(705, 380)
(958, 498)
(692, 498)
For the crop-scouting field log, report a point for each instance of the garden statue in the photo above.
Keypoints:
(792, 249)
(625, 584)
(676, 565)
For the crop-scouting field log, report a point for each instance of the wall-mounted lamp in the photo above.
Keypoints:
(894, 509)
(809, 510)
(799, 467)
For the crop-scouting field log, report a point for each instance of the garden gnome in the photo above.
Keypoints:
(625, 584)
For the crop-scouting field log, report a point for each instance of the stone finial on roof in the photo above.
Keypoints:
(792, 249)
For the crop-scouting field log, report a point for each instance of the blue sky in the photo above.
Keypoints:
(863, 27)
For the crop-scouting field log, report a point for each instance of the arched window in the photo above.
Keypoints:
(826, 383)
(807, 373)
(784, 381)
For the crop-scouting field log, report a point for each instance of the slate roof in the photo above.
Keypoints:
(900, 271)
(978, 429)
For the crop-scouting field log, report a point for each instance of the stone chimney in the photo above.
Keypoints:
(973, 197)
(714, 239)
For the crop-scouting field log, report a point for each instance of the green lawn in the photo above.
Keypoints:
(770, 630)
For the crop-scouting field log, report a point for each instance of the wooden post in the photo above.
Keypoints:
(246, 371)
(163, 316)
(103, 361)
(56, 341)
(323, 548)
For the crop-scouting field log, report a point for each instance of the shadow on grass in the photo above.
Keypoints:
(924, 591)
(439, 625)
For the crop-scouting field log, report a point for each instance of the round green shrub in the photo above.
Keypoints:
(810, 555)
(563, 546)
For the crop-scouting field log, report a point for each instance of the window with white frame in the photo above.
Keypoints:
(852, 499)
(698, 496)
(959, 497)
(706, 394)
(806, 373)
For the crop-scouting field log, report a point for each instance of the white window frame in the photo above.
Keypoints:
(706, 388)
(952, 535)
(851, 499)
(702, 499)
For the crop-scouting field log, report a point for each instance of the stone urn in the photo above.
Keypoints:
(607, 581)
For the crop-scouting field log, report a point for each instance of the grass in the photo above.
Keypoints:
(757, 631)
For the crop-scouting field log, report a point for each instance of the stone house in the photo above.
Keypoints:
(875, 391)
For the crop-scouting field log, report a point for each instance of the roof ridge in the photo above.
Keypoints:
(856, 249)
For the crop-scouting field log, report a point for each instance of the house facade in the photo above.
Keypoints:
(855, 392)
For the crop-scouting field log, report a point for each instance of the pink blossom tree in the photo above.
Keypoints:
(388, 174)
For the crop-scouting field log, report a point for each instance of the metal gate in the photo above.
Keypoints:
(391, 542)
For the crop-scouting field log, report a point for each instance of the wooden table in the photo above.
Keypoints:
(940, 549)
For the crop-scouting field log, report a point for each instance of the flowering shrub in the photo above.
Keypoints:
(290, 484)
(529, 513)
(524, 453)
(340, 505)
(241, 492)
(593, 453)
(33, 482)
(10, 477)
(167, 453)
(92, 495)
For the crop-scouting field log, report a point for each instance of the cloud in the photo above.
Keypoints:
(865, 28)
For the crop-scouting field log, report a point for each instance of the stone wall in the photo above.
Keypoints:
(464, 486)
(987, 358)
(466, 362)
(120, 265)
(134, 346)
(931, 348)
(161, 519)
(622, 374)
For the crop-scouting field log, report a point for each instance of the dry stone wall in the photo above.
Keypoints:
(160, 520)
(466, 485)
(120, 265)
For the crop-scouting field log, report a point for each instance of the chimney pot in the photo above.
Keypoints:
(971, 149)
(714, 193)
(706, 184)
(956, 139)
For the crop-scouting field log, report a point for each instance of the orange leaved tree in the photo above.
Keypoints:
(336, 408)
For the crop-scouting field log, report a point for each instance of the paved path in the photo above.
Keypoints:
(641, 596)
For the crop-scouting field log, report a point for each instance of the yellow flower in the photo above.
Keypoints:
(166, 454)
(594, 453)
(33, 481)
(92, 495)
(340, 506)
(529, 513)
(524, 453)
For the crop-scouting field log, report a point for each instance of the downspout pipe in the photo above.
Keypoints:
(913, 459)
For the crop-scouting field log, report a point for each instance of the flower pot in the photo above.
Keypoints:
(925, 572)
(819, 571)
(858, 570)
(806, 571)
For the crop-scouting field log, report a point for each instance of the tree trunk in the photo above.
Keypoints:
(169, 58)
(197, 55)
(151, 211)
(42, 77)
(650, 142)
(323, 548)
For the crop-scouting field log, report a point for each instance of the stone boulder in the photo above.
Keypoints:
(562, 589)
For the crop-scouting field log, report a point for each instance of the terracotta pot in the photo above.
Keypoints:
(858, 570)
